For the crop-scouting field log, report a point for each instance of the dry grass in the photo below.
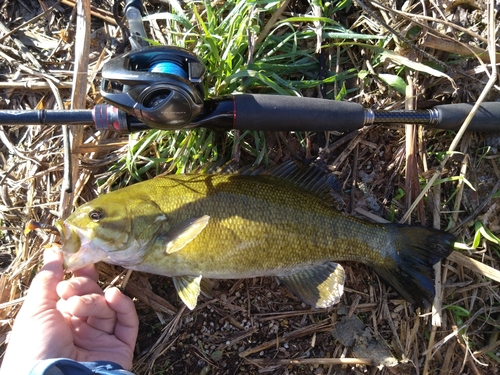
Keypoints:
(250, 326)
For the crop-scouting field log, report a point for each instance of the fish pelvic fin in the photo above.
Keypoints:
(319, 286)
(183, 233)
(188, 288)
(417, 250)
(206, 288)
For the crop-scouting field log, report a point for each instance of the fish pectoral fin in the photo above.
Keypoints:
(183, 233)
(319, 286)
(188, 289)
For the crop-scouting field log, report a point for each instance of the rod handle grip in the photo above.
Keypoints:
(292, 113)
(486, 119)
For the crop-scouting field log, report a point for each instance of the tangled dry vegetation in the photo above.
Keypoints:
(256, 325)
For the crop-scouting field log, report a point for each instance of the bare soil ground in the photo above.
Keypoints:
(256, 325)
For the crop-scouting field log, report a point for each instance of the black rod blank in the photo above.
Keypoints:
(47, 117)
(274, 113)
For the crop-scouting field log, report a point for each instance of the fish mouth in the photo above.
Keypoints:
(77, 248)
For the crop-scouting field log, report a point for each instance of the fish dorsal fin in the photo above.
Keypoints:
(319, 286)
(188, 289)
(183, 233)
(310, 177)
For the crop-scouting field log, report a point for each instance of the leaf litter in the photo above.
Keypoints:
(256, 325)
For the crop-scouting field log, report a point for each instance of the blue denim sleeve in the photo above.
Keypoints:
(62, 366)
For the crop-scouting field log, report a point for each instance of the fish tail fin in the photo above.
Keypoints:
(416, 251)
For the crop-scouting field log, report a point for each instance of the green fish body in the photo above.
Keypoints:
(278, 223)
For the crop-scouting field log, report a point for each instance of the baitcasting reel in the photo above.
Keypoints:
(160, 86)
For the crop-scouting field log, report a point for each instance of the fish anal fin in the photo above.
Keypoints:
(188, 289)
(183, 233)
(319, 286)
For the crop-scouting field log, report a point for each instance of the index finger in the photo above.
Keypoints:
(77, 286)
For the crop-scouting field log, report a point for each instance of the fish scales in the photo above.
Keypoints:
(238, 226)
(258, 226)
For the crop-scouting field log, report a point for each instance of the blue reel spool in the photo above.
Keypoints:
(169, 67)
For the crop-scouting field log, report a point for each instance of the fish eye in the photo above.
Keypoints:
(96, 215)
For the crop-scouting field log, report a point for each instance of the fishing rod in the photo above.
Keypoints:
(161, 87)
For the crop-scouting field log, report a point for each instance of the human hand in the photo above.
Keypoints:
(71, 319)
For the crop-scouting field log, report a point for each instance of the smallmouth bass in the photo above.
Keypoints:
(226, 226)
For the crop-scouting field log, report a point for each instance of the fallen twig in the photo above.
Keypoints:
(95, 12)
(310, 361)
(289, 336)
(475, 265)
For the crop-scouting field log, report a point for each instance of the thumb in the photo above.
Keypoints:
(44, 284)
